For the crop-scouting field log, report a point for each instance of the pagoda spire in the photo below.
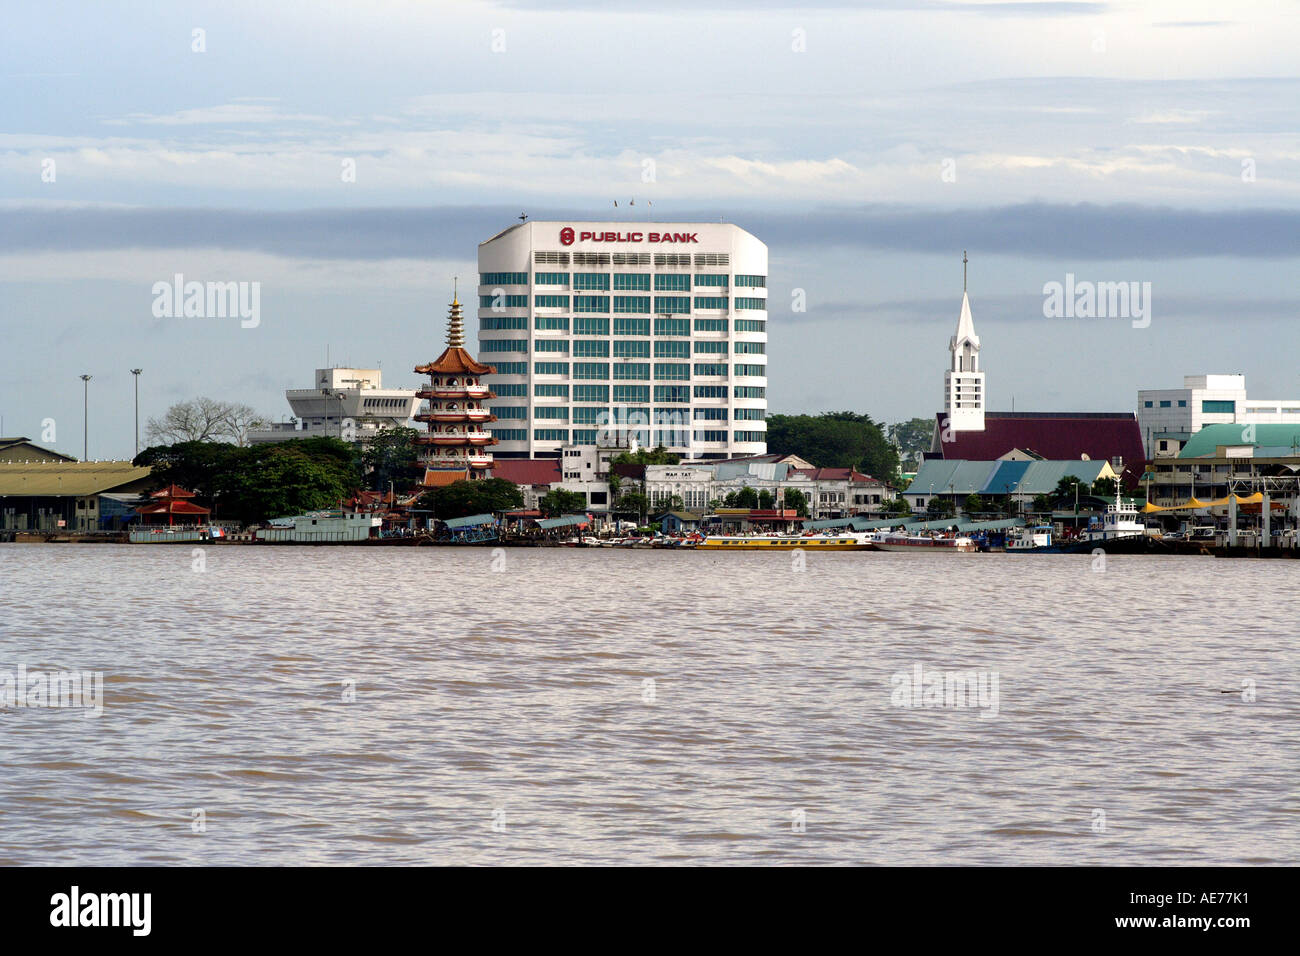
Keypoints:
(455, 322)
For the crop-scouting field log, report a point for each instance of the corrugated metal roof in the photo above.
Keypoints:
(469, 522)
(563, 522)
(1042, 477)
(1206, 441)
(67, 477)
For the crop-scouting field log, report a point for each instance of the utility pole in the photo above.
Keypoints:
(135, 373)
(85, 418)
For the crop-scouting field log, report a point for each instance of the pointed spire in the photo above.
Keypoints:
(963, 270)
(455, 322)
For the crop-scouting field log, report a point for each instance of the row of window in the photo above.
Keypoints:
(633, 281)
(624, 395)
(582, 436)
(592, 326)
(600, 393)
(600, 348)
(641, 370)
(637, 304)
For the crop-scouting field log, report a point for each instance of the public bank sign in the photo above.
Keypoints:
(568, 236)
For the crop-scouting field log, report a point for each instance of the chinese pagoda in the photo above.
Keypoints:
(454, 447)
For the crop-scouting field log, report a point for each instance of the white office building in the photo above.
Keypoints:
(347, 403)
(1169, 417)
(618, 333)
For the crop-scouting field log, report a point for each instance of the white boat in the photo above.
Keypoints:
(849, 541)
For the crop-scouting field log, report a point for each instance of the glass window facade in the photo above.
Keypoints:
(591, 348)
(751, 282)
(713, 325)
(711, 348)
(591, 370)
(750, 369)
(672, 283)
(632, 370)
(632, 282)
(551, 368)
(503, 302)
(591, 393)
(711, 280)
(750, 348)
(631, 393)
(632, 303)
(672, 304)
(550, 301)
(672, 349)
(710, 302)
(550, 345)
(672, 393)
(503, 345)
(550, 278)
(503, 278)
(631, 326)
(672, 371)
(711, 369)
(744, 302)
(596, 281)
(632, 348)
(591, 303)
(551, 323)
(751, 325)
(584, 325)
(551, 434)
(551, 391)
(712, 391)
(496, 322)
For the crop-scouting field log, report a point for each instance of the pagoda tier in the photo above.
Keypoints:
(451, 449)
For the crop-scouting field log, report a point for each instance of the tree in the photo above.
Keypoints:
(973, 504)
(796, 499)
(642, 456)
(898, 506)
(391, 456)
(1106, 487)
(203, 419)
(1042, 503)
(939, 507)
(1065, 488)
(913, 437)
(480, 496)
(765, 500)
(635, 503)
(557, 502)
(834, 440)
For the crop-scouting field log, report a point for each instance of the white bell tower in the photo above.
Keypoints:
(963, 383)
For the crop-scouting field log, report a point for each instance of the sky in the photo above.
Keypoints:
(868, 144)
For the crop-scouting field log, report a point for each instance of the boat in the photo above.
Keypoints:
(850, 541)
(1118, 531)
(901, 541)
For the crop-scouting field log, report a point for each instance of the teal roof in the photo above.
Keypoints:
(563, 522)
(828, 523)
(1270, 441)
(470, 522)
(958, 477)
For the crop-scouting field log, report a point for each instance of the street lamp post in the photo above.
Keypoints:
(85, 418)
(135, 373)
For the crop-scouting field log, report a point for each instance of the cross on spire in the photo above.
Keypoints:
(964, 260)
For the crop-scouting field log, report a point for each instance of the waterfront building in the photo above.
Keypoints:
(81, 496)
(171, 506)
(645, 333)
(1021, 481)
(965, 431)
(1169, 417)
(454, 448)
(536, 476)
(350, 404)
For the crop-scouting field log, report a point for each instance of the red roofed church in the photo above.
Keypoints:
(965, 431)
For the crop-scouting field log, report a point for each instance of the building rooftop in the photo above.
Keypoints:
(1279, 440)
(67, 477)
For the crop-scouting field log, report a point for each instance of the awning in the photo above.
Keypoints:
(563, 522)
(471, 522)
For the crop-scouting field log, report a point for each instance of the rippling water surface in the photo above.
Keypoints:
(504, 716)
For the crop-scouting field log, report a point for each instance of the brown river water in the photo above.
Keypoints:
(336, 705)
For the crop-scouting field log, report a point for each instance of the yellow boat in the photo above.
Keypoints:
(812, 542)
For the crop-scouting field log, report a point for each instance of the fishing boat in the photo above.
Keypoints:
(1118, 531)
(900, 541)
(850, 541)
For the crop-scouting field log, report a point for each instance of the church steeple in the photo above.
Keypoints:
(964, 382)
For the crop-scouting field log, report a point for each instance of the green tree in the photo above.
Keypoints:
(643, 456)
(633, 503)
(939, 507)
(973, 504)
(196, 466)
(1042, 503)
(391, 456)
(834, 440)
(1065, 488)
(898, 506)
(557, 502)
(1106, 487)
(746, 497)
(765, 500)
(463, 498)
(913, 437)
(796, 499)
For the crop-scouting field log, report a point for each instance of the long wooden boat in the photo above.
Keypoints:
(812, 542)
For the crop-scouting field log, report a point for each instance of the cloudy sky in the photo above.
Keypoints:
(867, 144)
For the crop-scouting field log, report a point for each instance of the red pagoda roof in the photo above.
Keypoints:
(172, 491)
(456, 360)
(173, 507)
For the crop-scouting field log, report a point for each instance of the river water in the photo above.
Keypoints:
(334, 705)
